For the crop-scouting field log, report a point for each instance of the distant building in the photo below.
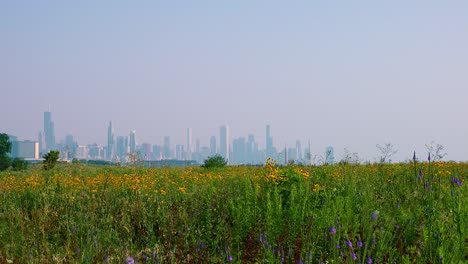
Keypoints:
(49, 133)
(132, 143)
(40, 139)
(145, 150)
(121, 148)
(299, 156)
(250, 150)
(110, 142)
(270, 152)
(189, 149)
(292, 154)
(180, 152)
(213, 150)
(239, 151)
(81, 152)
(25, 149)
(224, 142)
(157, 152)
(167, 152)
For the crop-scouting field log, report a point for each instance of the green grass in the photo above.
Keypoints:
(235, 214)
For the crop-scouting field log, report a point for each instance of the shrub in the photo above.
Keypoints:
(19, 164)
(216, 161)
(50, 159)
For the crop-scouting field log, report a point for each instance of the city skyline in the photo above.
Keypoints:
(340, 73)
(243, 149)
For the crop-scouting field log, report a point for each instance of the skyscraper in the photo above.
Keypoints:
(110, 142)
(40, 139)
(121, 150)
(167, 153)
(238, 150)
(213, 150)
(269, 144)
(132, 142)
(179, 152)
(49, 134)
(298, 151)
(189, 144)
(250, 151)
(224, 142)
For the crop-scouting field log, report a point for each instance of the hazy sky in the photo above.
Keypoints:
(342, 73)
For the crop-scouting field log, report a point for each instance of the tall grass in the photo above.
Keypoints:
(381, 213)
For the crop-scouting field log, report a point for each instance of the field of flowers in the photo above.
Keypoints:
(376, 213)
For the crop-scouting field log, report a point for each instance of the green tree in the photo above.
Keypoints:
(19, 164)
(5, 147)
(216, 161)
(50, 159)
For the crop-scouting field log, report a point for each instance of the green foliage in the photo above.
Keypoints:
(5, 144)
(5, 162)
(5, 147)
(50, 159)
(276, 214)
(216, 161)
(19, 164)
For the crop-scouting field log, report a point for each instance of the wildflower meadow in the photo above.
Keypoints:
(413, 212)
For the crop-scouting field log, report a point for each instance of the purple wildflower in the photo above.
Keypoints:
(129, 260)
(375, 215)
(369, 260)
(349, 243)
(333, 230)
(229, 258)
(353, 256)
(456, 181)
(359, 244)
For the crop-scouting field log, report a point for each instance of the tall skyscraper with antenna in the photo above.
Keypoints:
(110, 142)
(224, 142)
(189, 144)
(49, 134)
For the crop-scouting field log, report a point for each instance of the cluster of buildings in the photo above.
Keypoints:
(125, 148)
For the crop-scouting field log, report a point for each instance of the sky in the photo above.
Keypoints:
(347, 74)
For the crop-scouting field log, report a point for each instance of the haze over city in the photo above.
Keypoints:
(335, 73)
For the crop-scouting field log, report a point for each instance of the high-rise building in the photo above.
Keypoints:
(82, 152)
(110, 142)
(298, 150)
(157, 152)
(25, 149)
(224, 142)
(269, 144)
(239, 151)
(292, 154)
(250, 150)
(167, 153)
(49, 133)
(189, 149)
(145, 151)
(132, 143)
(180, 152)
(213, 150)
(121, 148)
(40, 140)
